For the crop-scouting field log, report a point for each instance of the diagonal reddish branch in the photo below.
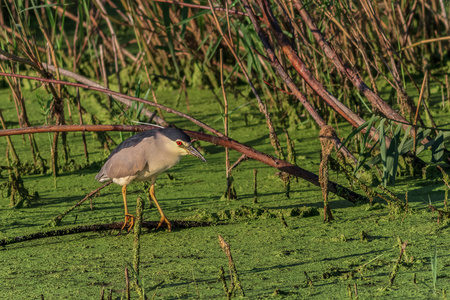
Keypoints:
(351, 74)
(305, 73)
(274, 62)
(220, 141)
(301, 68)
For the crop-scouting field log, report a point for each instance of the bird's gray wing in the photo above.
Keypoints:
(134, 140)
(128, 158)
(123, 163)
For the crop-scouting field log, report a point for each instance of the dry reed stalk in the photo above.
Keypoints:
(397, 263)
(326, 136)
(10, 144)
(22, 115)
(255, 186)
(57, 220)
(137, 247)
(80, 119)
(230, 192)
(241, 159)
(115, 42)
(155, 99)
(127, 284)
(235, 282)
(422, 91)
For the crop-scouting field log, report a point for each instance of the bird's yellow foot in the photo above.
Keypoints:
(164, 220)
(128, 217)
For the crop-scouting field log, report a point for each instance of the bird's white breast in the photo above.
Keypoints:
(163, 156)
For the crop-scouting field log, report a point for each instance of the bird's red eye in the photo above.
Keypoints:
(179, 143)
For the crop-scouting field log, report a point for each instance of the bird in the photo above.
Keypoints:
(143, 157)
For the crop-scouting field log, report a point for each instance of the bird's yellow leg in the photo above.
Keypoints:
(163, 217)
(128, 216)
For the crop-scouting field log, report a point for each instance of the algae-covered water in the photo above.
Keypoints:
(298, 258)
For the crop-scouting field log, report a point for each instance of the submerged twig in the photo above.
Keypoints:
(98, 227)
(57, 220)
(397, 264)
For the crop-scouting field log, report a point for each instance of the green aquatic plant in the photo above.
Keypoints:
(434, 266)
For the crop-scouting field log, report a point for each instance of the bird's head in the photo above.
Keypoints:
(181, 143)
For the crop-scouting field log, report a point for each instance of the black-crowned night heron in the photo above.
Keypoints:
(143, 157)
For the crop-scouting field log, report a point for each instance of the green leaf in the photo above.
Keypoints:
(401, 147)
(437, 149)
(359, 129)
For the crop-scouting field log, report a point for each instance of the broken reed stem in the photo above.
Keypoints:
(326, 136)
(406, 206)
(127, 284)
(349, 290)
(103, 73)
(370, 192)
(291, 158)
(397, 264)
(137, 246)
(235, 282)
(241, 158)
(446, 180)
(224, 282)
(19, 194)
(102, 293)
(308, 279)
(255, 186)
(116, 65)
